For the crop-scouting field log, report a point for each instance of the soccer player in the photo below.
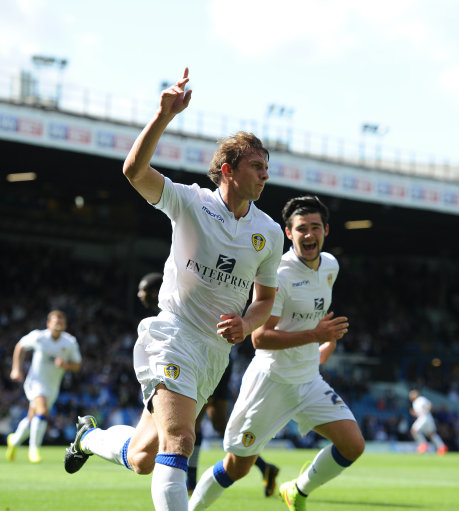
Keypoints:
(217, 404)
(217, 411)
(148, 291)
(424, 428)
(54, 352)
(283, 381)
(221, 245)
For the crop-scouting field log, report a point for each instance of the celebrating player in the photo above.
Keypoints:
(54, 352)
(283, 381)
(221, 245)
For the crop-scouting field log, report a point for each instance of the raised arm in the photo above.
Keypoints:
(144, 178)
(328, 329)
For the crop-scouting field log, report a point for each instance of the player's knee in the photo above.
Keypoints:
(351, 450)
(141, 463)
(179, 441)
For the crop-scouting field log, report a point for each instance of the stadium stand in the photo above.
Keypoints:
(399, 285)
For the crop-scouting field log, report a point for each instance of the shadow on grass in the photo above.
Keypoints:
(371, 504)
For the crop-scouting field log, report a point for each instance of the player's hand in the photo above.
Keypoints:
(59, 362)
(332, 329)
(17, 375)
(174, 99)
(231, 328)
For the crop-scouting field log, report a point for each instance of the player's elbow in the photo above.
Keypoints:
(257, 339)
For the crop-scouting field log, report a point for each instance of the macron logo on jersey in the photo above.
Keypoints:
(302, 283)
(213, 215)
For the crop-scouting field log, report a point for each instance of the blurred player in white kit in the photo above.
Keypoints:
(424, 429)
(54, 352)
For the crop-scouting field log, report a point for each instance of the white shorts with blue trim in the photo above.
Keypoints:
(265, 406)
(174, 353)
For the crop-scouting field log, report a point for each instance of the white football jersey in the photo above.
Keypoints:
(421, 406)
(302, 300)
(214, 258)
(45, 351)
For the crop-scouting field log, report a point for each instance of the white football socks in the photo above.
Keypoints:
(168, 488)
(22, 432)
(38, 426)
(107, 443)
(207, 491)
(322, 469)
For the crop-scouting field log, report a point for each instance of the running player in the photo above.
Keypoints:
(424, 429)
(54, 352)
(221, 245)
(283, 381)
(217, 411)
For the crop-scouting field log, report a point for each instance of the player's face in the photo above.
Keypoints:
(308, 235)
(57, 323)
(250, 176)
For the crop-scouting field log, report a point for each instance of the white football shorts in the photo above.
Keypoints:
(34, 388)
(265, 406)
(172, 352)
(425, 424)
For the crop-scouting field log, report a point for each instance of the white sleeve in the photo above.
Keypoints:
(29, 341)
(75, 355)
(279, 299)
(175, 197)
(267, 271)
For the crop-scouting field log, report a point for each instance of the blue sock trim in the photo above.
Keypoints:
(223, 479)
(339, 458)
(41, 417)
(172, 460)
(124, 451)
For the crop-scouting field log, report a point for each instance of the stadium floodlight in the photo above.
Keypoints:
(374, 129)
(48, 61)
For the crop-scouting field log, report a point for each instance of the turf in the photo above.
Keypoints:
(377, 481)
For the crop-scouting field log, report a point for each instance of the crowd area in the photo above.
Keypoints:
(403, 313)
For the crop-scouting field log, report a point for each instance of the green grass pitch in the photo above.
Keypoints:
(376, 482)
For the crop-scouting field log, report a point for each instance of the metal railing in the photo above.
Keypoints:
(278, 134)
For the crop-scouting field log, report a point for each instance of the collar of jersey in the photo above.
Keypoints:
(244, 218)
(303, 263)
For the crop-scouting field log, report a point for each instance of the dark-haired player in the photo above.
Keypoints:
(283, 381)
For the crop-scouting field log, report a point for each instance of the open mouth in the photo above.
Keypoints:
(309, 247)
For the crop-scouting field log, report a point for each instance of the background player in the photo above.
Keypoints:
(283, 381)
(424, 428)
(54, 352)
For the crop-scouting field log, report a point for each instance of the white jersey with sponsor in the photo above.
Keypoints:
(303, 298)
(43, 372)
(214, 258)
(422, 406)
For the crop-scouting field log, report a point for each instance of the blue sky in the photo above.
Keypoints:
(335, 63)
